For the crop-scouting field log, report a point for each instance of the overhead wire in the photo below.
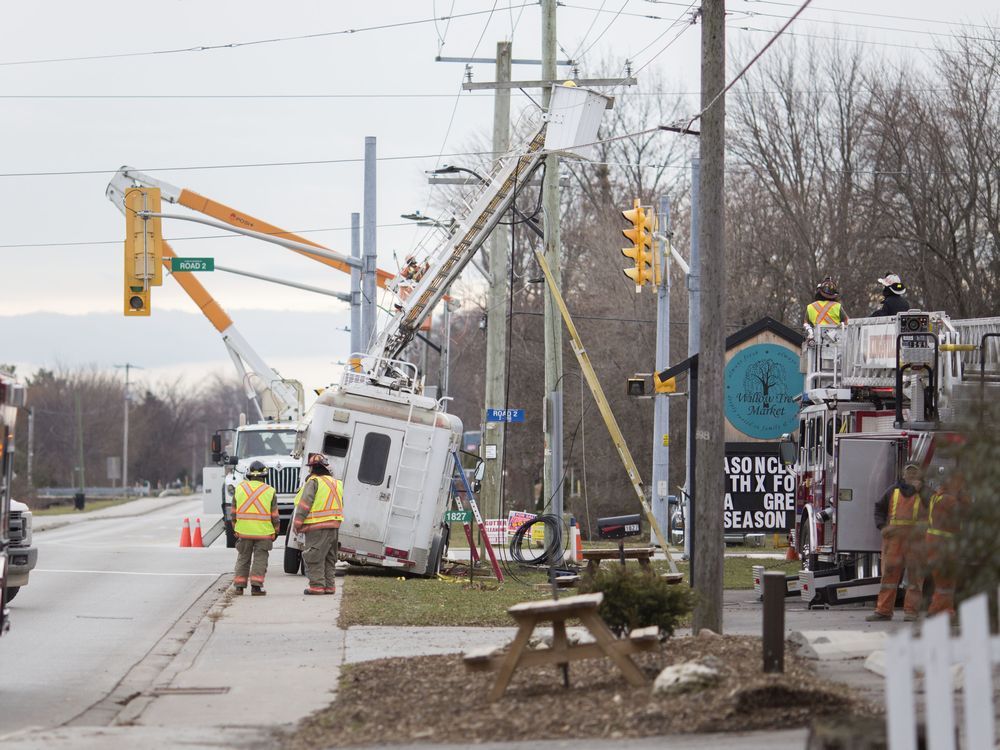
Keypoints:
(254, 42)
(871, 14)
(606, 28)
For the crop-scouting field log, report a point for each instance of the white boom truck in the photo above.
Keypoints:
(879, 393)
(14, 539)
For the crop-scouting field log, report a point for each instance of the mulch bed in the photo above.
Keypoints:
(434, 699)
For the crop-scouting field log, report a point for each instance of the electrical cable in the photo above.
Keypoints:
(551, 554)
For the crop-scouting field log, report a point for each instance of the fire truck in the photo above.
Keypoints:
(12, 397)
(879, 393)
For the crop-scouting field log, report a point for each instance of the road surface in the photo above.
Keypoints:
(103, 594)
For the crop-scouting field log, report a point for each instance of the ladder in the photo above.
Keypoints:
(414, 465)
(471, 499)
(459, 248)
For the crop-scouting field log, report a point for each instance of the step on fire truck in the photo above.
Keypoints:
(879, 393)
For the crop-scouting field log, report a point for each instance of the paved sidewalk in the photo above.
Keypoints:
(138, 507)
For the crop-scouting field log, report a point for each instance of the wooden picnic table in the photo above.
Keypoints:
(594, 557)
(582, 607)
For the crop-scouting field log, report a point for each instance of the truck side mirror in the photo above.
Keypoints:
(216, 448)
(787, 451)
(232, 460)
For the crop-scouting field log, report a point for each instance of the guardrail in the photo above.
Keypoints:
(67, 493)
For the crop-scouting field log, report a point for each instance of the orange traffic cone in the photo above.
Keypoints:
(186, 534)
(196, 541)
(791, 554)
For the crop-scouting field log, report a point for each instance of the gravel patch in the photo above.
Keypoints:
(434, 699)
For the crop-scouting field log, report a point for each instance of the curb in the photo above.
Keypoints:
(39, 526)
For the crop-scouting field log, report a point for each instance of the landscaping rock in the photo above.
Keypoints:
(685, 678)
(708, 633)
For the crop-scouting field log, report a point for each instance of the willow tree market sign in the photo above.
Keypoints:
(762, 382)
(192, 264)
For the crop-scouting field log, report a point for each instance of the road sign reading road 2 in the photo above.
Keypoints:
(192, 264)
(505, 415)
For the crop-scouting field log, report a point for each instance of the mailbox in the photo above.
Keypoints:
(619, 527)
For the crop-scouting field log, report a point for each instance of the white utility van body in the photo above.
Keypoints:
(393, 450)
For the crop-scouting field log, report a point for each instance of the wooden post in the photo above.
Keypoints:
(774, 622)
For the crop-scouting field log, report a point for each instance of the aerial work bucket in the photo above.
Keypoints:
(574, 116)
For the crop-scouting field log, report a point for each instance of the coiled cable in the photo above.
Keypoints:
(552, 553)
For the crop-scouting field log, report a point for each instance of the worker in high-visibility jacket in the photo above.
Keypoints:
(256, 524)
(826, 308)
(944, 520)
(319, 511)
(902, 517)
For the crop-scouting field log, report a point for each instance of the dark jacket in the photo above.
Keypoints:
(882, 506)
(891, 304)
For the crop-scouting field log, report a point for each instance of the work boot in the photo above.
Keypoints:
(257, 591)
(877, 617)
(331, 590)
(238, 590)
(314, 592)
(910, 617)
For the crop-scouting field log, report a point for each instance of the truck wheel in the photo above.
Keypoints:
(230, 535)
(12, 592)
(806, 554)
(293, 561)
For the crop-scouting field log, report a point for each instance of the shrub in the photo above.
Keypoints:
(637, 600)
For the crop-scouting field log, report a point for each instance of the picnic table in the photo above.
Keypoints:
(582, 607)
(594, 557)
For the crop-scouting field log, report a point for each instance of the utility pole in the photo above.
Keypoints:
(369, 311)
(661, 401)
(31, 446)
(710, 434)
(79, 444)
(444, 375)
(552, 486)
(497, 311)
(128, 367)
(355, 285)
(694, 344)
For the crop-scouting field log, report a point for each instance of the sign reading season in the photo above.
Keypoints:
(760, 490)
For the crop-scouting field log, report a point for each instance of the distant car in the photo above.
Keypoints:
(22, 555)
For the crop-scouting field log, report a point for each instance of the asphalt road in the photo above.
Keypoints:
(103, 594)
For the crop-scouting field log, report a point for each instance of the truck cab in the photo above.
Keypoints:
(271, 443)
(21, 554)
(12, 398)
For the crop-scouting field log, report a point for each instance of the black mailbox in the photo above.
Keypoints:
(619, 527)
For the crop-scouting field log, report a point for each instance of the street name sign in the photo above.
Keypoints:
(192, 264)
(505, 415)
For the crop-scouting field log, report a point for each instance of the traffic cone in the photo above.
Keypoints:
(791, 554)
(196, 541)
(186, 533)
(577, 541)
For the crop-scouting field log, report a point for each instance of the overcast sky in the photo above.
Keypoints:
(299, 100)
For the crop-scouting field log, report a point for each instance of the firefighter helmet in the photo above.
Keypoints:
(828, 289)
(317, 459)
(257, 470)
(893, 283)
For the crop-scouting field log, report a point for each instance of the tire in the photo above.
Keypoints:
(438, 550)
(292, 561)
(806, 554)
(12, 592)
(230, 535)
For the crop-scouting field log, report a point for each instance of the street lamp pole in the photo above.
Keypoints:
(128, 367)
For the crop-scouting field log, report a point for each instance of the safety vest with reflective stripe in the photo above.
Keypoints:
(824, 313)
(904, 511)
(946, 523)
(252, 505)
(328, 505)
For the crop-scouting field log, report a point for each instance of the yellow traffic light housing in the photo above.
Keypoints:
(143, 249)
(641, 252)
(664, 386)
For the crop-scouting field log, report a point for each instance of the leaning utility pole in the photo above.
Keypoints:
(710, 434)
(369, 311)
(551, 477)
(497, 312)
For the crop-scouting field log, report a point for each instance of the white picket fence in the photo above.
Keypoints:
(936, 654)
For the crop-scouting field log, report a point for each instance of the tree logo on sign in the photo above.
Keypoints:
(761, 384)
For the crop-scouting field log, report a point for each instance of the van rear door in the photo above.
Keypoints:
(372, 468)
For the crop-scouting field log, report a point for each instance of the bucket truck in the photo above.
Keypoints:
(15, 534)
(879, 393)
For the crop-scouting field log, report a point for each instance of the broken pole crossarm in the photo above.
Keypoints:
(290, 244)
(604, 407)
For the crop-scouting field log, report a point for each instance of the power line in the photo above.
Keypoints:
(606, 28)
(426, 95)
(198, 237)
(273, 40)
(834, 38)
(874, 15)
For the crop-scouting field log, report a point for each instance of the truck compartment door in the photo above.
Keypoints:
(372, 469)
(865, 469)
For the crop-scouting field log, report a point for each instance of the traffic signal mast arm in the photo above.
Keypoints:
(127, 176)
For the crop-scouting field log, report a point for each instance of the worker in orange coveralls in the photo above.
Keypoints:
(944, 520)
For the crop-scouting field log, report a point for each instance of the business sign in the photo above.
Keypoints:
(192, 264)
(516, 519)
(505, 415)
(761, 384)
(760, 490)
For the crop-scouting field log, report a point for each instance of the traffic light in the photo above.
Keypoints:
(664, 386)
(143, 249)
(641, 252)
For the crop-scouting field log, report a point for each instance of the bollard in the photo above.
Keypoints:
(774, 621)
